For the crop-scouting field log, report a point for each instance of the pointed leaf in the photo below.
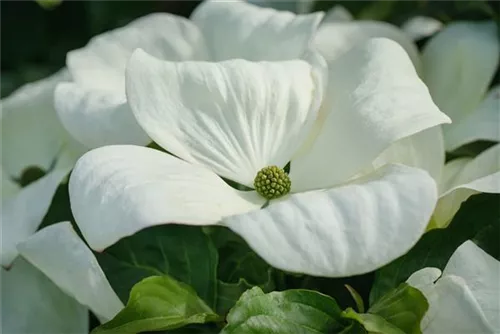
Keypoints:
(159, 303)
(372, 323)
(291, 311)
(403, 307)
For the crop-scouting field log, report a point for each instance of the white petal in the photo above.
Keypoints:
(23, 212)
(482, 124)
(97, 117)
(453, 309)
(343, 231)
(31, 303)
(94, 109)
(337, 13)
(116, 191)
(100, 65)
(481, 272)
(463, 178)
(419, 27)
(335, 38)
(60, 254)
(424, 150)
(234, 117)
(424, 279)
(459, 63)
(236, 29)
(374, 99)
(296, 6)
(32, 134)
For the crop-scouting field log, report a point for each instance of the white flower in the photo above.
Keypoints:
(94, 107)
(457, 65)
(35, 303)
(234, 118)
(32, 136)
(464, 298)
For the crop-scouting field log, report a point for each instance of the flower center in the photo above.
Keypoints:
(272, 182)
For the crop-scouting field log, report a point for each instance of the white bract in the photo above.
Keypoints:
(464, 298)
(94, 108)
(32, 136)
(233, 118)
(457, 65)
(59, 301)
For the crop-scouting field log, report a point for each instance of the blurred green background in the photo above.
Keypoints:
(35, 37)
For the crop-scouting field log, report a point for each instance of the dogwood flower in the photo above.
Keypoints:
(244, 121)
(32, 136)
(53, 285)
(464, 297)
(94, 108)
(457, 65)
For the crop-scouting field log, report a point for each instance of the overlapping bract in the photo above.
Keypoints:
(457, 64)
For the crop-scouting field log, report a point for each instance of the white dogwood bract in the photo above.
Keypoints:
(296, 6)
(94, 107)
(235, 117)
(52, 285)
(481, 124)
(457, 65)
(419, 27)
(32, 303)
(32, 136)
(465, 177)
(464, 297)
(59, 253)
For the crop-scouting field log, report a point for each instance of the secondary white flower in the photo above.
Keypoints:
(32, 136)
(35, 303)
(464, 298)
(457, 65)
(235, 118)
(94, 107)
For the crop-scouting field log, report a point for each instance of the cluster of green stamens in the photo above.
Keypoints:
(272, 182)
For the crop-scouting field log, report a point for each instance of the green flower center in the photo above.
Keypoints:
(272, 182)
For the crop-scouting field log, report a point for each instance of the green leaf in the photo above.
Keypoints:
(357, 298)
(291, 311)
(372, 323)
(229, 293)
(240, 268)
(48, 4)
(159, 303)
(488, 239)
(436, 247)
(182, 252)
(354, 328)
(237, 260)
(404, 307)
